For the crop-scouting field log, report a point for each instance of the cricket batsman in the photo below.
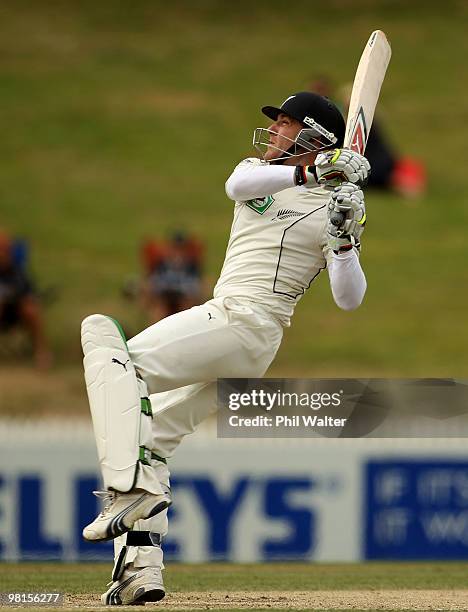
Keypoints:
(297, 210)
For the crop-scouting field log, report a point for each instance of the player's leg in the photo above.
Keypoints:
(121, 414)
(219, 339)
(207, 342)
(137, 572)
(175, 348)
(177, 413)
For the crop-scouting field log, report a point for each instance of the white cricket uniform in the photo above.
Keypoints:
(277, 247)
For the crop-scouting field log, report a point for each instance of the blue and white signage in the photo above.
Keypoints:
(246, 500)
(416, 509)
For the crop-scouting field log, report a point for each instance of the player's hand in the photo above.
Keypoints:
(346, 218)
(341, 165)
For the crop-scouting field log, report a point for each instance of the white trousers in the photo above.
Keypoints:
(180, 358)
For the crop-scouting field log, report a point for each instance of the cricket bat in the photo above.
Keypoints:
(369, 77)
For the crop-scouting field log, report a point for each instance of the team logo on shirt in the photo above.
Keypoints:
(260, 205)
(285, 213)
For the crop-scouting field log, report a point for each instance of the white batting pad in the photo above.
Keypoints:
(114, 399)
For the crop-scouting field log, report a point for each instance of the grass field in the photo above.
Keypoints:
(390, 586)
(122, 120)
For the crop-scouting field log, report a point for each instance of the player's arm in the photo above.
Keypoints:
(347, 279)
(253, 178)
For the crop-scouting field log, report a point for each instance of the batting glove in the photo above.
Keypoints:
(346, 218)
(341, 165)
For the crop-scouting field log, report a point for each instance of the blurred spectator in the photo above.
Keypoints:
(19, 306)
(404, 175)
(172, 275)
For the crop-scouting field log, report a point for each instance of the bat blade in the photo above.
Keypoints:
(368, 81)
(369, 77)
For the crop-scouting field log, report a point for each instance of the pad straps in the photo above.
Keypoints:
(134, 538)
(143, 538)
(145, 456)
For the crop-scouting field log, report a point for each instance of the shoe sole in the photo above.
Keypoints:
(118, 527)
(148, 596)
(141, 595)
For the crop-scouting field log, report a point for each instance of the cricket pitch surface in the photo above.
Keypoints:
(297, 600)
(262, 586)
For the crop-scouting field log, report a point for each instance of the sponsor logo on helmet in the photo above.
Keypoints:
(320, 129)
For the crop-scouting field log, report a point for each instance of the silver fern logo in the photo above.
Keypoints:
(285, 213)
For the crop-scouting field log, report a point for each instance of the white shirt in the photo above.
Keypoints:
(278, 242)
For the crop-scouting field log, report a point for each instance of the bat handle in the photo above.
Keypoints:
(337, 218)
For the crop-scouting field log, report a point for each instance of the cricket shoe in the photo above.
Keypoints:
(120, 512)
(135, 588)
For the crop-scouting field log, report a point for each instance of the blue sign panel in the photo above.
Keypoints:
(416, 509)
(35, 537)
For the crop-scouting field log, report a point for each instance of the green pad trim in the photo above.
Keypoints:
(144, 456)
(121, 331)
(146, 406)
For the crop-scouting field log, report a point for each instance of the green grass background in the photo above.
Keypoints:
(90, 577)
(121, 120)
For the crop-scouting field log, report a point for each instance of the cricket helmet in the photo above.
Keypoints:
(324, 126)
